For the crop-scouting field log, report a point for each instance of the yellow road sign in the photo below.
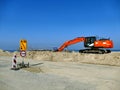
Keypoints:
(23, 45)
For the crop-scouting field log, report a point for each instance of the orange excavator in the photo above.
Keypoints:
(92, 44)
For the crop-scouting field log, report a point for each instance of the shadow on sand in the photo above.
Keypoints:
(36, 64)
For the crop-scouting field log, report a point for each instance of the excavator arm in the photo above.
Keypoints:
(70, 42)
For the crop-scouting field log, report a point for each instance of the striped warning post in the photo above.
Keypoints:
(14, 62)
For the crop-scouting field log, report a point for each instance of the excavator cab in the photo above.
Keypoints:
(89, 42)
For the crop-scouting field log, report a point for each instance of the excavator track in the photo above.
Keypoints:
(95, 51)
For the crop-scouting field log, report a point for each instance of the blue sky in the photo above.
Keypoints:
(49, 23)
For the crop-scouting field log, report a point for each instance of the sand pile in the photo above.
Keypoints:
(5, 53)
(108, 59)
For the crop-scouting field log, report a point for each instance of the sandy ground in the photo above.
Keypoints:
(55, 75)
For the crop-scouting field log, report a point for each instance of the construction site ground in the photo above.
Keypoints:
(51, 75)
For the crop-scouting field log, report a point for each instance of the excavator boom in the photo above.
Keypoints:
(70, 42)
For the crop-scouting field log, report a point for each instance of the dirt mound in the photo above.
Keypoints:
(106, 59)
(5, 53)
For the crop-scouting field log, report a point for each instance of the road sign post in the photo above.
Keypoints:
(23, 48)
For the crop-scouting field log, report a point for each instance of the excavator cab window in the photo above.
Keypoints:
(89, 41)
